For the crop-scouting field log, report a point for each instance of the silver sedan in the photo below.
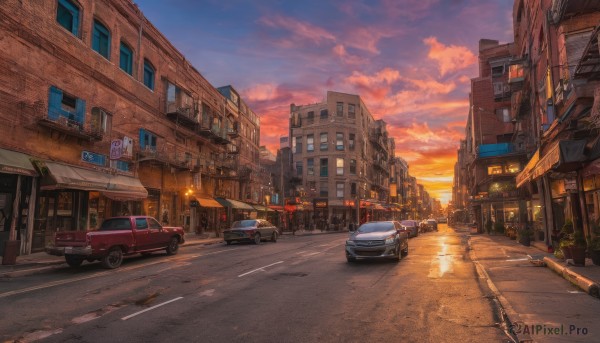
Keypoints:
(377, 240)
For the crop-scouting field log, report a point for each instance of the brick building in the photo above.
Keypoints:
(102, 116)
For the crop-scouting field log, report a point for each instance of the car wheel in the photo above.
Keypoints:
(228, 242)
(113, 258)
(274, 237)
(398, 254)
(257, 238)
(173, 246)
(73, 261)
(404, 251)
(350, 259)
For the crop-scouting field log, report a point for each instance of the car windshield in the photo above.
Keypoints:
(408, 223)
(376, 227)
(244, 223)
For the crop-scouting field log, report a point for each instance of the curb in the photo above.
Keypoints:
(587, 285)
(507, 313)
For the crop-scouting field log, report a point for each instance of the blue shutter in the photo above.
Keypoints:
(54, 103)
(142, 141)
(80, 111)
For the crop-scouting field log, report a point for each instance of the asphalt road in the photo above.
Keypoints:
(300, 289)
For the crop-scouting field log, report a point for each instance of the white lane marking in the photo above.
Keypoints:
(207, 293)
(517, 259)
(120, 270)
(151, 308)
(313, 253)
(259, 269)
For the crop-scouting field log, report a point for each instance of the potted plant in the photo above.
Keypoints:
(578, 248)
(499, 227)
(594, 249)
(564, 245)
(525, 235)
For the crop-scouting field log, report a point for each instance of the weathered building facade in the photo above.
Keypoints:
(102, 116)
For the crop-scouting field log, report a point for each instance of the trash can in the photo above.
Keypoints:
(11, 251)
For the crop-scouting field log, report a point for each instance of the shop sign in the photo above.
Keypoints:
(116, 149)
(349, 203)
(93, 158)
(320, 203)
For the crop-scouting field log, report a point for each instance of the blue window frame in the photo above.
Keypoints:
(66, 106)
(126, 58)
(148, 74)
(147, 140)
(324, 167)
(101, 40)
(67, 15)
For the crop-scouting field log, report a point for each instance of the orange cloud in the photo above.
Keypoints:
(450, 58)
(299, 29)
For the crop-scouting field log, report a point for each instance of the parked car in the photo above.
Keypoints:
(116, 237)
(377, 240)
(251, 230)
(412, 226)
(431, 225)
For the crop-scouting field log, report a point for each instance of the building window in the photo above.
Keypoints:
(339, 109)
(299, 168)
(503, 114)
(339, 189)
(353, 189)
(351, 141)
(351, 111)
(352, 167)
(310, 118)
(100, 121)
(513, 167)
(494, 169)
(126, 58)
(65, 107)
(298, 145)
(339, 166)
(310, 143)
(312, 186)
(324, 141)
(498, 71)
(67, 15)
(101, 40)
(310, 166)
(323, 189)
(339, 141)
(147, 141)
(148, 74)
(323, 164)
(324, 114)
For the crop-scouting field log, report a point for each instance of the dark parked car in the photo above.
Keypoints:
(377, 240)
(431, 225)
(411, 226)
(251, 230)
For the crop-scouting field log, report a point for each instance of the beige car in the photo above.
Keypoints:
(251, 230)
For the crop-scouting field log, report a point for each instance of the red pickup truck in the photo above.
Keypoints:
(116, 237)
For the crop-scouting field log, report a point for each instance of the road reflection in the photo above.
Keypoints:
(442, 264)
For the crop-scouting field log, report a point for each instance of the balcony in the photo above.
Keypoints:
(166, 157)
(501, 90)
(495, 150)
(378, 139)
(233, 132)
(71, 127)
(183, 115)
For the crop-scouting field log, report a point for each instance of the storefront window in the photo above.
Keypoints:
(494, 169)
(513, 167)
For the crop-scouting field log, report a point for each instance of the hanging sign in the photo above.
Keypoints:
(116, 149)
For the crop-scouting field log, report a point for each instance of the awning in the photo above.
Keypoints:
(262, 208)
(12, 162)
(118, 187)
(207, 202)
(238, 205)
(563, 156)
(526, 173)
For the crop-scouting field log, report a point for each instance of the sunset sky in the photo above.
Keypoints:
(411, 61)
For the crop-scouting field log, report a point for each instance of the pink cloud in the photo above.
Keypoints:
(300, 30)
(450, 58)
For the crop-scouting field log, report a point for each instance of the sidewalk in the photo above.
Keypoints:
(538, 305)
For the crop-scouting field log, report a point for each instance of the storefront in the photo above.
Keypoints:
(72, 198)
(235, 210)
(18, 183)
(206, 214)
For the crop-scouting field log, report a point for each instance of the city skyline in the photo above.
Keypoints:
(410, 61)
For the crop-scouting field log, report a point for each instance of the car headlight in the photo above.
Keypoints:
(390, 239)
(350, 242)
